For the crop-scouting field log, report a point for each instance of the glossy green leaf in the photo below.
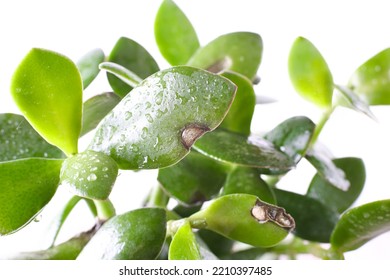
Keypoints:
(218, 244)
(89, 174)
(314, 220)
(327, 169)
(333, 197)
(47, 88)
(240, 114)
(88, 66)
(371, 80)
(241, 150)
(292, 136)
(156, 125)
(245, 218)
(194, 179)
(360, 225)
(248, 180)
(240, 52)
(122, 73)
(19, 140)
(309, 73)
(174, 33)
(134, 57)
(96, 108)
(138, 234)
(26, 186)
(184, 245)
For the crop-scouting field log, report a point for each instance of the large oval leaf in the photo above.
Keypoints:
(371, 80)
(134, 57)
(26, 186)
(360, 225)
(88, 66)
(245, 218)
(240, 150)
(174, 33)
(138, 234)
(333, 197)
(184, 245)
(240, 52)
(47, 88)
(309, 73)
(157, 123)
(314, 220)
(19, 140)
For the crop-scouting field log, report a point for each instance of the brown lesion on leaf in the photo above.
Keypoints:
(264, 212)
(191, 133)
(220, 65)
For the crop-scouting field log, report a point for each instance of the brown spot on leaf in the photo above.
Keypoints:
(220, 65)
(191, 133)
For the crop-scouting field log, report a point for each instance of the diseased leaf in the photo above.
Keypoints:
(88, 66)
(156, 125)
(184, 245)
(174, 33)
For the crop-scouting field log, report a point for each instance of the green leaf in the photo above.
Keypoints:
(218, 244)
(89, 174)
(27, 185)
(96, 108)
(88, 66)
(314, 220)
(248, 180)
(194, 179)
(292, 136)
(360, 225)
(333, 197)
(47, 88)
(138, 234)
(134, 57)
(156, 125)
(240, 114)
(371, 80)
(241, 150)
(184, 245)
(122, 73)
(239, 52)
(19, 140)
(309, 73)
(245, 218)
(175, 36)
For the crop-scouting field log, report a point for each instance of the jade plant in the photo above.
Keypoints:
(217, 193)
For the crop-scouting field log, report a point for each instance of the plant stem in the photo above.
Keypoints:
(158, 198)
(105, 209)
(320, 125)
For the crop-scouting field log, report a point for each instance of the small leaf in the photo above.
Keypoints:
(184, 245)
(239, 52)
(371, 80)
(27, 185)
(360, 225)
(156, 125)
(96, 108)
(314, 220)
(245, 218)
(88, 66)
(122, 73)
(248, 180)
(134, 57)
(194, 179)
(333, 197)
(138, 234)
(89, 174)
(240, 150)
(47, 88)
(240, 114)
(310, 74)
(292, 136)
(174, 33)
(19, 140)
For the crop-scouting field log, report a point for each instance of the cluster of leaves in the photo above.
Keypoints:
(192, 122)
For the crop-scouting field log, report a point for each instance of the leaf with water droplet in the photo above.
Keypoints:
(359, 225)
(239, 52)
(47, 88)
(89, 174)
(310, 74)
(184, 118)
(88, 66)
(19, 140)
(184, 245)
(27, 185)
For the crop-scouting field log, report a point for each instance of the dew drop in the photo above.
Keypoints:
(144, 133)
(104, 169)
(92, 177)
(149, 118)
(128, 115)
(159, 98)
(93, 169)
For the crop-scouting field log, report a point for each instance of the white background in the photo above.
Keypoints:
(346, 32)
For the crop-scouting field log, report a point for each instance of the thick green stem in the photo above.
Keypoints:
(158, 198)
(320, 125)
(105, 209)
